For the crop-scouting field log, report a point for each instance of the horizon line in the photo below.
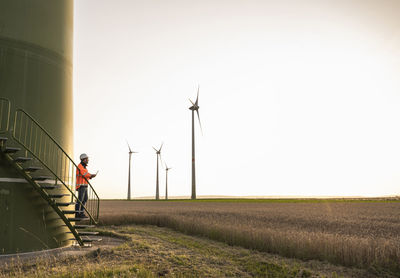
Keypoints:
(183, 197)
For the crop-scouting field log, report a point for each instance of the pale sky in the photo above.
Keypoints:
(296, 97)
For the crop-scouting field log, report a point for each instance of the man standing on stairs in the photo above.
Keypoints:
(82, 177)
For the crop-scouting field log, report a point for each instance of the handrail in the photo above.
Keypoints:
(4, 114)
(40, 144)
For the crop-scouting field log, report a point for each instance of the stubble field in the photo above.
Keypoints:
(355, 234)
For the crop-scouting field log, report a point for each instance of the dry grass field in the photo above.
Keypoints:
(150, 251)
(357, 234)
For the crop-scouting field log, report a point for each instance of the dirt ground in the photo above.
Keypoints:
(106, 242)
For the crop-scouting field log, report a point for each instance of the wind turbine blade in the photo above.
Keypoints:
(198, 117)
(155, 149)
(161, 146)
(128, 146)
(192, 102)
(135, 152)
(197, 99)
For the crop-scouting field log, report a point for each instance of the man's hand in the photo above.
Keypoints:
(93, 175)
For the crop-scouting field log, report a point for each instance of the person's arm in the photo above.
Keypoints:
(85, 173)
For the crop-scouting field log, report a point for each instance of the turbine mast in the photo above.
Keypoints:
(129, 171)
(129, 177)
(158, 152)
(195, 107)
(157, 187)
(193, 161)
(166, 185)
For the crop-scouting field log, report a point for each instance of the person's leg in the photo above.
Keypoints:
(78, 206)
(84, 200)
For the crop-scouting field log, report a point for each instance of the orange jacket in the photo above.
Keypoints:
(82, 175)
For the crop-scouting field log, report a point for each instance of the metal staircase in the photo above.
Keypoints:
(40, 160)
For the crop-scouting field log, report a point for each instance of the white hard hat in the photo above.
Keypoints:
(83, 156)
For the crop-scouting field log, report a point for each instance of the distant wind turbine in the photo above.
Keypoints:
(166, 181)
(129, 173)
(158, 152)
(195, 107)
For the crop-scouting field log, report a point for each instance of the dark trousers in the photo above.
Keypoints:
(83, 197)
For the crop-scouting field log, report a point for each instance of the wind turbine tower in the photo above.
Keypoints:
(195, 107)
(166, 181)
(158, 152)
(129, 171)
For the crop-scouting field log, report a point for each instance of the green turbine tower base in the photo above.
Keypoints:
(35, 75)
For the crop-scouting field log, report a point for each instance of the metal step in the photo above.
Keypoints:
(22, 159)
(3, 139)
(48, 187)
(71, 211)
(41, 178)
(80, 226)
(91, 239)
(58, 195)
(61, 204)
(78, 219)
(83, 233)
(32, 169)
(87, 240)
(11, 150)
